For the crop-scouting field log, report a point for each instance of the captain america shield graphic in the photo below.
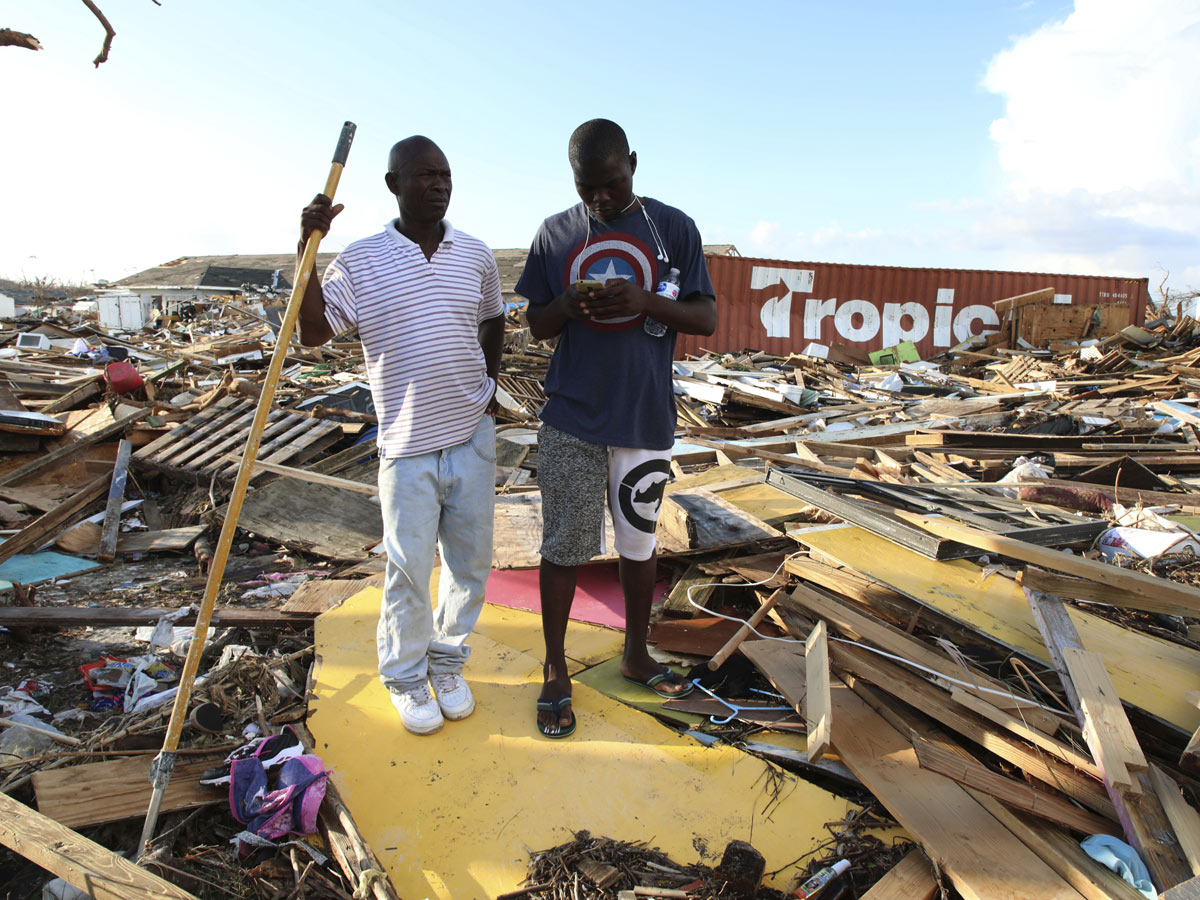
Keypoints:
(618, 255)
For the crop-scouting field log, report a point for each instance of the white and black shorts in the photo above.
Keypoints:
(576, 475)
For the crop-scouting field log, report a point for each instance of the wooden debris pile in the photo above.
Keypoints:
(928, 543)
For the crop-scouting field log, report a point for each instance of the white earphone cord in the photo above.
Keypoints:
(891, 656)
(658, 241)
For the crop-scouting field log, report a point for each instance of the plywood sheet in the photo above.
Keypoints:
(315, 518)
(477, 782)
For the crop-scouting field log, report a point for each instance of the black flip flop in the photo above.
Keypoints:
(658, 678)
(556, 707)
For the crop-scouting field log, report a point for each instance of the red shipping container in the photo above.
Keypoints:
(782, 307)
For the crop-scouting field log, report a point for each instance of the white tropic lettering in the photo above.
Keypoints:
(843, 320)
(776, 316)
(894, 329)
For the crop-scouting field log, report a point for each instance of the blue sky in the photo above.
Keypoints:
(1012, 135)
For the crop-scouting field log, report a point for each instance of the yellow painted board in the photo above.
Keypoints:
(521, 629)
(1148, 672)
(455, 814)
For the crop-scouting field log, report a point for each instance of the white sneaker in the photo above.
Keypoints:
(419, 712)
(453, 695)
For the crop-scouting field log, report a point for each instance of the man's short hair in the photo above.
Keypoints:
(597, 140)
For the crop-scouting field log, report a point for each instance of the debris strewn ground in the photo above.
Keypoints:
(981, 573)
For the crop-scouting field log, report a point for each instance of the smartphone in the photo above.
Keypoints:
(584, 286)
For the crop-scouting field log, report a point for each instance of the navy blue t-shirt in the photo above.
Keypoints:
(609, 381)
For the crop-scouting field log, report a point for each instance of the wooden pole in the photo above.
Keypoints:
(164, 763)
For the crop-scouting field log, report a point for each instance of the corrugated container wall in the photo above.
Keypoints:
(782, 307)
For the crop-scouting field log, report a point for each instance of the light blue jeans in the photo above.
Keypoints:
(442, 500)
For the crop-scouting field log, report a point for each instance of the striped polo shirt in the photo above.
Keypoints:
(418, 320)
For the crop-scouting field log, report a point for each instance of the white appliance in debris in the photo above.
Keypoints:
(124, 311)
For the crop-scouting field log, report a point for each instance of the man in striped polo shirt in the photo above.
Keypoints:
(426, 301)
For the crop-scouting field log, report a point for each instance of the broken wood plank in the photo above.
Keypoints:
(1022, 729)
(1111, 735)
(315, 597)
(1184, 819)
(74, 448)
(1143, 819)
(782, 664)
(701, 519)
(40, 529)
(935, 703)
(85, 864)
(107, 549)
(983, 859)
(701, 585)
(971, 773)
(307, 475)
(816, 704)
(113, 790)
(1154, 594)
(75, 397)
(1060, 852)
(859, 626)
(912, 878)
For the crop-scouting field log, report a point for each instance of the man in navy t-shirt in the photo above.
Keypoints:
(609, 422)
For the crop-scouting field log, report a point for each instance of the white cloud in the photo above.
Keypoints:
(1098, 147)
(1099, 140)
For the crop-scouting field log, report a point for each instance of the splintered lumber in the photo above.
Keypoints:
(936, 703)
(1139, 810)
(1150, 673)
(42, 528)
(983, 859)
(910, 879)
(967, 771)
(1105, 726)
(1147, 592)
(95, 870)
(859, 626)
(1184, 819)
(1022, 729)
(107, 550)
(94, 793)
(816, 704)
(76, 447)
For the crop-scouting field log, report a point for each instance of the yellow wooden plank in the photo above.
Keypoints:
(1148, 672)
(454, 814)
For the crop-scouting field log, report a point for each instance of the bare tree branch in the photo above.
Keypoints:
(109, 34)
(10, 38)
